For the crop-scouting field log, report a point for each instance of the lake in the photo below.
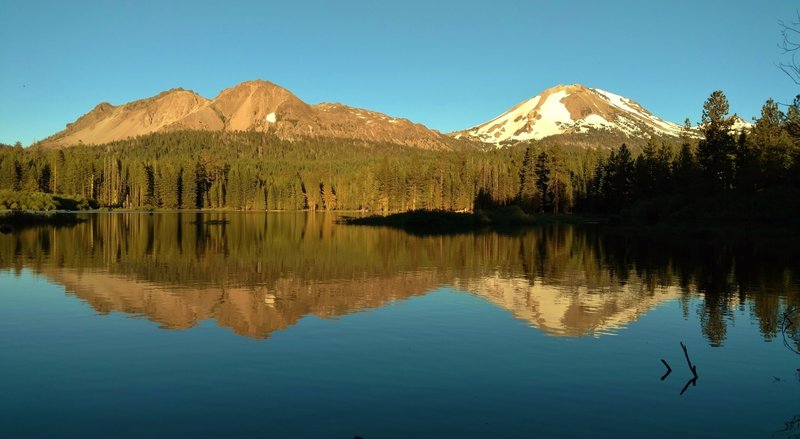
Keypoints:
(293, 325)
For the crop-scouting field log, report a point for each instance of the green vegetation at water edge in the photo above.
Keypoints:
(39, 201)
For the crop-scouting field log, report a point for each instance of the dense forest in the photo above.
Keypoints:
(751, 174)
(255, 171)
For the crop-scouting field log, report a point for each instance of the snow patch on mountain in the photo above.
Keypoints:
(554, 116)
(616, 100)
(740, 124)
(593, 121)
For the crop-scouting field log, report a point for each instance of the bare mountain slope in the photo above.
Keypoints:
(254, 105)
(107, 122)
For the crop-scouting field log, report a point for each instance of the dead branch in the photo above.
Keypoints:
(692, 367)
(669, 370)
(790, 46)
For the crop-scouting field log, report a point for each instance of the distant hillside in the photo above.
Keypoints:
(259, 106)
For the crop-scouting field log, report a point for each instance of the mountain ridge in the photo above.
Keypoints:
(256, 105)
(574, 113)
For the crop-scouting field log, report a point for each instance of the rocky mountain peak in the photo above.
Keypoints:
(250, 106)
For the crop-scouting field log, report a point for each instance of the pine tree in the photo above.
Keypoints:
(260, 198)
(328, 196)
(10, 174)
(644, 170)
(621, 178)
(29, 178)
(792, 127)
(528, 192)
(772, 144)
(543, 181)
(560, 184)
(748, 164)
(716, 152)
(188, 199)
(311, 190)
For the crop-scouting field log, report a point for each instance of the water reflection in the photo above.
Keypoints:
(789, 331)
(260, 273)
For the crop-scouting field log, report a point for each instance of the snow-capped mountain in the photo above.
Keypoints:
(571, 109)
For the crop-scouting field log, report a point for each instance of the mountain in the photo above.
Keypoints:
(569, 310)
(254, 105)
(740, 124)
(258, 311)
(572, 110)
(570, 114)
(254, 312)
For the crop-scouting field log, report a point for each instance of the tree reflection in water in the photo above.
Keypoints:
(258, 273)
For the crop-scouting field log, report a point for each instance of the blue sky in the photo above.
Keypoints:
(447, 64)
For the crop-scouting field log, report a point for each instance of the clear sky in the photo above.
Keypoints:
(447, 64)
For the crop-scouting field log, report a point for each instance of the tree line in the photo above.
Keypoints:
(257, 171)
(725, 164)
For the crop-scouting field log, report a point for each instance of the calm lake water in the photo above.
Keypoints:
(291, 325)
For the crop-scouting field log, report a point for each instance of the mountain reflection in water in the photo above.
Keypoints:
(260, 273)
